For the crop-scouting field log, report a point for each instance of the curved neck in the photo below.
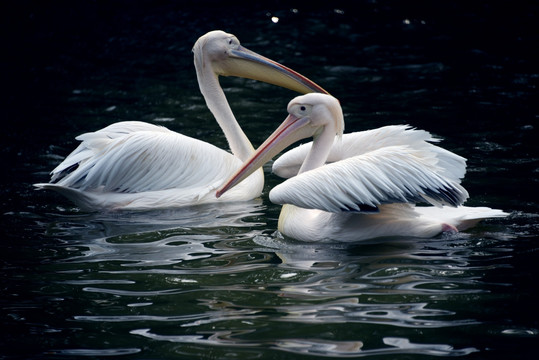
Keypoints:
(216, 101)
(320, 149)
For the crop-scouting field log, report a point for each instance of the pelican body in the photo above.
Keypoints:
(361, 185)
(137, 165)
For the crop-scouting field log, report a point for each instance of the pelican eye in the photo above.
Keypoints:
(300, 110)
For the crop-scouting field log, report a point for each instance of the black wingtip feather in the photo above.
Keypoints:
(446, 195)
(363, 209)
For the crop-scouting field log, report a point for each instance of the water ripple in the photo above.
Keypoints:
(237, 288)
(320, 347)
(94, 352)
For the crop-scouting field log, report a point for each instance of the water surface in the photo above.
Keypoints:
(217, 281)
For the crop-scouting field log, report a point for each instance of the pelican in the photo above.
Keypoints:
(362, 185)
(137, 165)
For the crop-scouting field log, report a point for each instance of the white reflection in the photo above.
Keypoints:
(311, 346)
(427, 349)
(118, 223)
(320, 347)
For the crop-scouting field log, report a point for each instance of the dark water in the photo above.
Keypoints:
(217, 282)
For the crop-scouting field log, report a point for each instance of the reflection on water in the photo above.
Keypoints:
(217, 281)
(205, 278)
(318, 347)
(116, 224)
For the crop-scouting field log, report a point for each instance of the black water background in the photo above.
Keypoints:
(464, 71)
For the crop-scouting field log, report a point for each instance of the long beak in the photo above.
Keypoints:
(245, 63)
(290, 131)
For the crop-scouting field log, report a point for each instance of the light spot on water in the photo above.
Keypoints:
(140, 304)
(288, 275)
(190, 281)
(521, 332)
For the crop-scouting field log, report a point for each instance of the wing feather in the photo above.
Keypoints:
(352, 144)
(141, 158)
(392, 174)
(92, 141)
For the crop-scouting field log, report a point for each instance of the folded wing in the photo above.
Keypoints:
(133, 157)
(352, 144)
(389, 174)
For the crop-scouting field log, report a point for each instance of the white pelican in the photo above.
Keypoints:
(362, 185)
(136, 165)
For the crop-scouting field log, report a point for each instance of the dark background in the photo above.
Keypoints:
(474, 63)
(466, 71)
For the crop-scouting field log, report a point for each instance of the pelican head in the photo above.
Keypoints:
(223, 53)
(312, 115)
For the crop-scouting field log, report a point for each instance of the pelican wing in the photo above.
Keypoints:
(141, 158)
(91, 141)
(392, 174)
(352, 144)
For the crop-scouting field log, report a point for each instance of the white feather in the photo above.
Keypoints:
(138, 165)
(366, 185)
(385, 175)
(358, 143)
(393, 220)
(150, 167)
